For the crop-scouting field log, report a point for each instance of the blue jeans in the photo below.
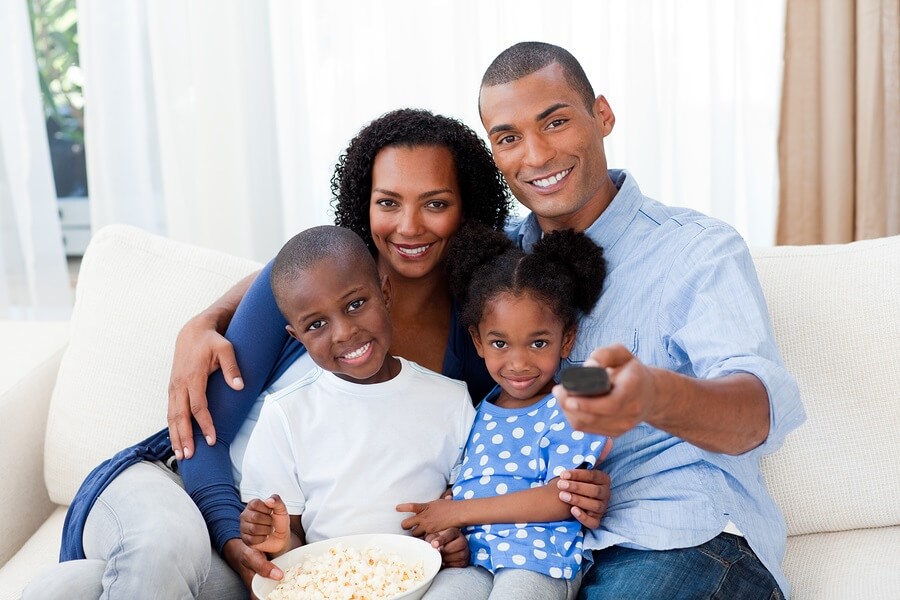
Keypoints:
(723, 568)
(144, 540)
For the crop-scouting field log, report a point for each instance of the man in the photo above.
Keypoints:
(699, 389)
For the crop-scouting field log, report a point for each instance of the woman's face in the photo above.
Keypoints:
(415, 208)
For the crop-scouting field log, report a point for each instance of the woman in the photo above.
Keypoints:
(405, 183)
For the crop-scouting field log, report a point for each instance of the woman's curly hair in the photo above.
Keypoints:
(485, 197)
(565, 270)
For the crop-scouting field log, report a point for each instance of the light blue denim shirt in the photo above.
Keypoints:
(682, 293)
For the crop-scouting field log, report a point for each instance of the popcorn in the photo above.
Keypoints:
(344, 573)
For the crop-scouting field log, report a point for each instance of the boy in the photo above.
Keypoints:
(343, 445)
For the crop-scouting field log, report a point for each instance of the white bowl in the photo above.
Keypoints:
(407, 548)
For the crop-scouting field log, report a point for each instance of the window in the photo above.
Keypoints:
(54, 25)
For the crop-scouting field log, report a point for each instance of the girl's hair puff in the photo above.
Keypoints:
(565, 270)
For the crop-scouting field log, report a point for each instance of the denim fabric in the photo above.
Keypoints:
(144, 539)
(724, 568)
(477, 583)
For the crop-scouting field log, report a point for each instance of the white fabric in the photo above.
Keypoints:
(134, 293)
(839, 566)
(28, 366)
(293, 373)
(344, 454)
(835, 314)
(34, 280)
(41, 551)
(239, 111)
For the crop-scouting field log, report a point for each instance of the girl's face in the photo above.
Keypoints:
(415, 208)
(521, 342)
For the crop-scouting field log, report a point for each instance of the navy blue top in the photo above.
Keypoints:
(264, 351)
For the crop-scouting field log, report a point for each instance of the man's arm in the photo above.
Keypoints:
(729, 414)
(200, 349)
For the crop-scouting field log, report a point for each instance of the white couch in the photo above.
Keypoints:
(73, 394)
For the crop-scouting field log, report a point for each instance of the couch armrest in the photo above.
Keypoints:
(29, 359)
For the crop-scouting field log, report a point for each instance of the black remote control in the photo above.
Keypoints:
(586, 381)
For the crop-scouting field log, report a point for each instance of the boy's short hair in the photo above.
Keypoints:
(309, 247)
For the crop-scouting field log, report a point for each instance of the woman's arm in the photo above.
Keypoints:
(200, 349)
(260, 341)
(535, 505)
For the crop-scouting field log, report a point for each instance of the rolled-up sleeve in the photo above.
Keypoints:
(715, 322)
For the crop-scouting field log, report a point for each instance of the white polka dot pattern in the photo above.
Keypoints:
(515, 450)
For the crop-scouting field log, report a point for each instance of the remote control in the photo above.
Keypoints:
(586, 381)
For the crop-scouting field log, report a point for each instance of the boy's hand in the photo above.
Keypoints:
(453, 546)
(430, 517)
(266, 525)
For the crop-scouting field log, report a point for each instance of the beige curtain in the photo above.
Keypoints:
(839, 139)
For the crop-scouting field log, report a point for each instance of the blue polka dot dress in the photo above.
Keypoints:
(510, 450)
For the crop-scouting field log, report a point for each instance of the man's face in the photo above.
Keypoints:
(549, 147)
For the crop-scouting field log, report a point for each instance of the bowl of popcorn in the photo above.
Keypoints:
(376, 566)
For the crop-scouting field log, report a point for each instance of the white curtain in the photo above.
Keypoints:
(219, 121)
(34, 281)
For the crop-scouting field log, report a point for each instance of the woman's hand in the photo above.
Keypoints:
(452, 545)
(587, 490)
(247, 562)
(199, 351)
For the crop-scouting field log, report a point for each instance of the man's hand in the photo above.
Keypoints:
(430, 517)
(629, 402)
(453, 546)
(587, 490)
(266, 525)
(246, 562)
(199, 351)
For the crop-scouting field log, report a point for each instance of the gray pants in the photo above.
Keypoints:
(477, 583)
(144, 539)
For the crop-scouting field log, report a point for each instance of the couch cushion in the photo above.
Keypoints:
(848, 564)
(40, 552)
(135, 291)
(836, 315)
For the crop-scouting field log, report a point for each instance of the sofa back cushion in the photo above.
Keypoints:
(836, 314)
(135, 291)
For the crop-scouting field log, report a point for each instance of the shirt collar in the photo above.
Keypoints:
(609, 227)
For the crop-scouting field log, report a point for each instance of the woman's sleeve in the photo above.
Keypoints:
(260, 341)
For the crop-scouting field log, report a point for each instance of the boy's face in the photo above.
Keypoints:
(339, 312)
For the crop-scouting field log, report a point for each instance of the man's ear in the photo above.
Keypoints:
(604, 115)
(567, 342)
(386, 290)
(291, 331)
(476, 339)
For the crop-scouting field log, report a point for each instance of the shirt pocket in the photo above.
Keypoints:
(592, 335)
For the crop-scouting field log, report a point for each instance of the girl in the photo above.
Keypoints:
(521, 311)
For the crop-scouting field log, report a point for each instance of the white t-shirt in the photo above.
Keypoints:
(343, 454)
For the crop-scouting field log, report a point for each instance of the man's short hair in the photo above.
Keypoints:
(313, 245)
(525, 58)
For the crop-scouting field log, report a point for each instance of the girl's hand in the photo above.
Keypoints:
(266, 525)
(453, 546)
(587, 490)
(430, 517)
